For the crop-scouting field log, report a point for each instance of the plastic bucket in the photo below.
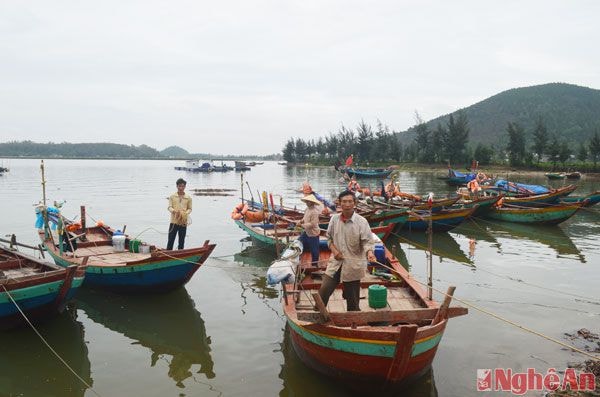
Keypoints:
(134, 245)
(377, 296)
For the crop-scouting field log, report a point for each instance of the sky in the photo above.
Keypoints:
(242, 77)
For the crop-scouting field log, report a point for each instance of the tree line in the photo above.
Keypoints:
(447, 143)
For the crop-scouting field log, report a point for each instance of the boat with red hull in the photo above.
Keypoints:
(380, 347)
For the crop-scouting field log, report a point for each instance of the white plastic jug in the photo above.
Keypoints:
(118, 242)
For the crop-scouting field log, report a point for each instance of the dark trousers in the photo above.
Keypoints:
(351, 291)
(311, 244)
(175, 230)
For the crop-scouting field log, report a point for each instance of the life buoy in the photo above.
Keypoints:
(254, 216)
(473, 186)
(73, 226)
(239, 211)
(499, 203)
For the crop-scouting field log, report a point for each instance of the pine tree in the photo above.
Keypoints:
(540, 139)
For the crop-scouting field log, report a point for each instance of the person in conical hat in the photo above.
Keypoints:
(310, 223)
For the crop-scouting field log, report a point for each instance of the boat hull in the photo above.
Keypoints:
(442, 221)
(536, 200)
(546, 215)
(592, 199)
(38, 302)
(352, 356)
(157, 275)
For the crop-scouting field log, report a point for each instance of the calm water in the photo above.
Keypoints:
(224, 333)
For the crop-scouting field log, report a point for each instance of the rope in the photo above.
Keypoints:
(522, 327)
(47, 344)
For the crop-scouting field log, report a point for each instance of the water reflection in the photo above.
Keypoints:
(551, 236)
(253, 277)
(28, 368)
(300, 380)
(443, 245)
(167, 324)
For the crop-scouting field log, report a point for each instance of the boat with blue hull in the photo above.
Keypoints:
(38, 288)
(367, 172)
(548, 215)
(588, 200)
(129, 267)
(441, 221)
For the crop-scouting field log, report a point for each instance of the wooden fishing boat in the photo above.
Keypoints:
(40, 289)
(550, 215)
(397, 203)
(456, 178)
(282, 233)
(441, 221)
(555, 175)
(367, 172)
(157, 270)
(573, 175)
(375, 215)
(538, 200)
(483, 203)
(590, 199)
(382, 347)
(508, 188)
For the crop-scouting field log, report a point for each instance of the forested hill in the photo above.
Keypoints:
(109, 151)
(569, 111)
(76, 150)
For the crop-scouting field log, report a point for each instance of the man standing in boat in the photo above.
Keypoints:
(180, 207)
(310, 223)
(351, 243)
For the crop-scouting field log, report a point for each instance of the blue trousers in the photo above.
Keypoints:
(311, 244)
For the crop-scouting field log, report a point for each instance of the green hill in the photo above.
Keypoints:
(569, 111)
(75, 150)
(174, 151)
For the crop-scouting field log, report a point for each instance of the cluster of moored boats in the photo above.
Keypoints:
(96, 256)
(382, 344)
(217, 166)
(396, 342)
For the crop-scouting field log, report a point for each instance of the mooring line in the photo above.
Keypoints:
(498, 317)
(594, 300)
(48, 345)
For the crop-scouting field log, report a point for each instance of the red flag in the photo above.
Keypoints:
(349, 160)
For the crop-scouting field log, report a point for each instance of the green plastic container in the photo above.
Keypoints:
(134, 245)
(377, 296)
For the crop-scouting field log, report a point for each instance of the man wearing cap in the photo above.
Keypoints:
(351, 243)
(180, 207)
(310, 223)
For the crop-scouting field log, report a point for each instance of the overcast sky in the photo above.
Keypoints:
(241, 77)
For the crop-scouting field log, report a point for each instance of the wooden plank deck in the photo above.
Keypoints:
(398, 298)
(106, 255)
